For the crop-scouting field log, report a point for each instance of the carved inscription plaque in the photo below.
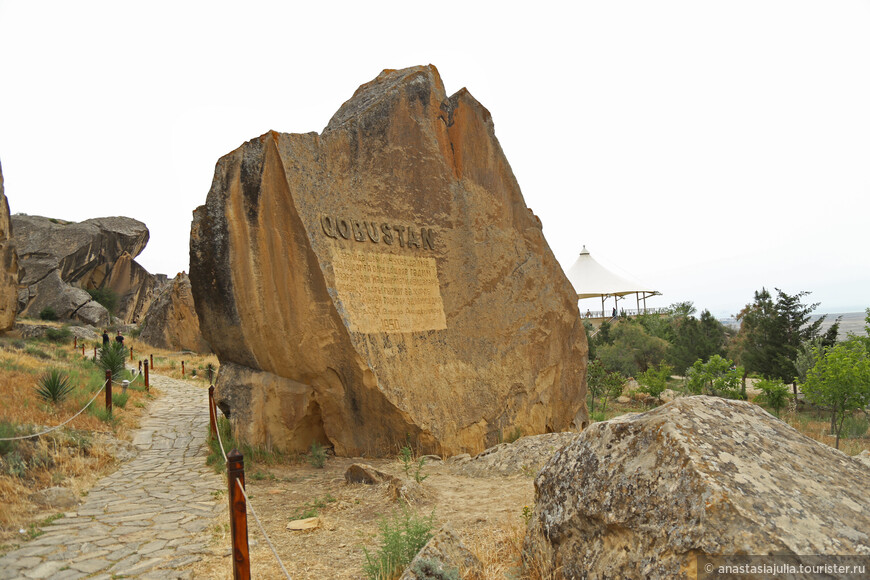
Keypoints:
(388, 292)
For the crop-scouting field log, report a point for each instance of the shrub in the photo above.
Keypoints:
(402, 537)
(409, 463)
(108, 298)
(119, 399)
(113, 358)
(316, 455)
(54, 386)
(48, 313)
(654, 380)
(58, 334)
(774, 393)
(718, 377)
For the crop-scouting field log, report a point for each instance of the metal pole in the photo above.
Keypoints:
(238, 516)
(109, 391)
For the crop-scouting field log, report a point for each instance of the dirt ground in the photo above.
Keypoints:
(487, 513)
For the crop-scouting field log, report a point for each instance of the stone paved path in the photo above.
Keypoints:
(149, 518)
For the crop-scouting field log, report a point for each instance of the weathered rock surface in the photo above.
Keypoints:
(525, 456)
(8, 265)
(171, 320)
(55, 497)
(442, 555)
(864, 457)
(365, 473)
(57, 257)
(384, 280)
(642, 496)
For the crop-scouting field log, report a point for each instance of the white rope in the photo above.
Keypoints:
(217, 430)
(265, 535)
(57, 426)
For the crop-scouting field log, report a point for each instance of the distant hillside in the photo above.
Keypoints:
(852, 322)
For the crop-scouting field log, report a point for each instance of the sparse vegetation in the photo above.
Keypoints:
(409, 464)
(108, 298)
(401, 537)
(316, 455)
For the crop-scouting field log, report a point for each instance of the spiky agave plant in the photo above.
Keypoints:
(54, 386)
(112, 358)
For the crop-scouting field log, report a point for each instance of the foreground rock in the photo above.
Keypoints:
(8, 265)
(384, 280)
(171, 322)
(642, 496)
(60, 260)
(443, 556)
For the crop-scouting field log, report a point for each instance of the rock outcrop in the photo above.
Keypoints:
(8, 265)
(60, 260)
(385, 281)
(171, 320)
(643, 495)
(525, 456)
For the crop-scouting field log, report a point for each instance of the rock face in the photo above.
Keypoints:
(60, 260)
(642, 496)
(171, 320)
(384, 280)
(8, 265)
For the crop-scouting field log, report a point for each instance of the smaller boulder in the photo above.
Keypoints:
(864, 457)
(364, 473)
(443, 556)
(623, 400)
(304, 524)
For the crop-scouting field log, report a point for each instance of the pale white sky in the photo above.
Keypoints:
(706, 149)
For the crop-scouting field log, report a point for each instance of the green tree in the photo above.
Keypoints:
(718, 377)
(107, 297)
(632, 350)
(771, 332)
(602, 383)
(840, 381)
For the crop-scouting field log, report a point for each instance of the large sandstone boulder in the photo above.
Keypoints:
(385, 281)
(8, 265)
(60, 260)
(171, 320)
(643, 495)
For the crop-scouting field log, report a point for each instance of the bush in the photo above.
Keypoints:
(718, 377)
(113, 358)
(48, 313)
(426, 569)
(316, 455)
(54, 386)
(58, 334)
(108, 298)
(402, 537)
(654, 380)
(119, 399)
(774, 393)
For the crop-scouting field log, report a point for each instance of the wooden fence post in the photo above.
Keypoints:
(212, 420)
(83, 350)
(140, 367)
(131, 353)
(109, 391)
(95, 353)
(147, 386)
(152, 361)
(75, 342)
(238, 516)
(182, 369)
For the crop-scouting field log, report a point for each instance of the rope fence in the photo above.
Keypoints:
(238, 503)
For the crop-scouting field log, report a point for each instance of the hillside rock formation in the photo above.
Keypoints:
(641, 496)
(8, 265)
(384, 281)
(60, 260)
(171, 321)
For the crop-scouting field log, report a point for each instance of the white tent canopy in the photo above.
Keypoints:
(592, 280)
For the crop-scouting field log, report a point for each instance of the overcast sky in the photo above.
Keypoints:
(705, 149)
